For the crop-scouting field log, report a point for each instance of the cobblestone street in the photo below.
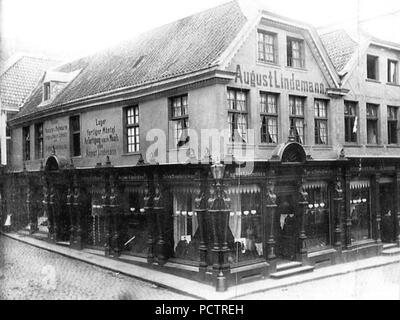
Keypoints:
(27, 272)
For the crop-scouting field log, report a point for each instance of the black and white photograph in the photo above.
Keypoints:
(224, 150)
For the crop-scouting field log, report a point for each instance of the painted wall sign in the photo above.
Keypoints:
(277, 80)
(101, 139)
(55, 135)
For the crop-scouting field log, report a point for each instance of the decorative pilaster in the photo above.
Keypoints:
(107, 214)
(376, 208)
(29, 207)
(219, 208)
(159, 212)
(71, 215)
(303, 206)
(338, 202)
(148, 207)
(271, 211)
(77, 213)
(201, 211)
(114, 211)
(347, 230)
(397, 206)
(52, 214)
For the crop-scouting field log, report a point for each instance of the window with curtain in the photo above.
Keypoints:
(269, 117)
(393, 72)
(296, 106)
(237, 115)
(26, 143)
(180, 119)
(295, 53)
(267, 47)
(393, 125)
(372, 123)
(350, 121)
(39, 141)
(321, 121)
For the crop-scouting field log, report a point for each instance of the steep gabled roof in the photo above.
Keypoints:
(181, 47)
(20, 77)
(340, 47)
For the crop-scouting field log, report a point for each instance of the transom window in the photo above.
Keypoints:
(26, 143)
(321, 121)
(267, 48)
(372, 67)
(350, 121)
(295, 53)
(393, 72)
(296, 106)
(269, 117)
(180, 119)
(39, 141)
(372, 123)
(132, 129)
(237, 115)
(393, 125)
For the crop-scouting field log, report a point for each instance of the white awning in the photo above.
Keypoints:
(315, 185)
(243, 189)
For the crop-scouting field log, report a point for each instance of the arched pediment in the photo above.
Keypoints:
(291, 152)
(54, 163)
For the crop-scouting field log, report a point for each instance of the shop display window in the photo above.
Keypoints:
(245, 226)
(360, 215)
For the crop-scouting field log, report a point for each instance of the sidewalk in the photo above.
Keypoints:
(199, 290)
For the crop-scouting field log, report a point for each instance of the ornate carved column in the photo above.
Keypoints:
(338, 203)
(396, 212)
(52, 214)
(303, 205)
(114, 210)
(219, 205)
(107, 214)
(77, 214)
(271, 211)
(159, 213)
(45, 201)
(29, 206)
(347, 225)
(376, 208)
(148, 207)
(71, 215)
(201, 211)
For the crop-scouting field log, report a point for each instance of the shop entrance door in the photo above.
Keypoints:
(386, 202)
(287, 225)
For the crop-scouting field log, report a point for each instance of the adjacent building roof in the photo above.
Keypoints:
(19, 77)
(179, 48)
(340, 47)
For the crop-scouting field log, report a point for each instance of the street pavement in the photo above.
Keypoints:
(382, 283)
(30, 273)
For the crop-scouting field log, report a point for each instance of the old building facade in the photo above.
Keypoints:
(222, 155)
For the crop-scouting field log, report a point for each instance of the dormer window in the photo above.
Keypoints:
(46, 91)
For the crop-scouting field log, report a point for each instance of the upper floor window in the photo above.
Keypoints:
(26, 143)
(237, 115)
(75, 129)
(372, 123)
(393, 72)
(372, 67)
(269, 117)
(321, 121)
(132, 129)
(295, 53)
(296, 106)
(39, 150)
(350, 121)
(267, 47)
(393, 131)
(46, 91)
(180, 119)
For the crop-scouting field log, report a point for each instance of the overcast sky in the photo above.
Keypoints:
(79, 27)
